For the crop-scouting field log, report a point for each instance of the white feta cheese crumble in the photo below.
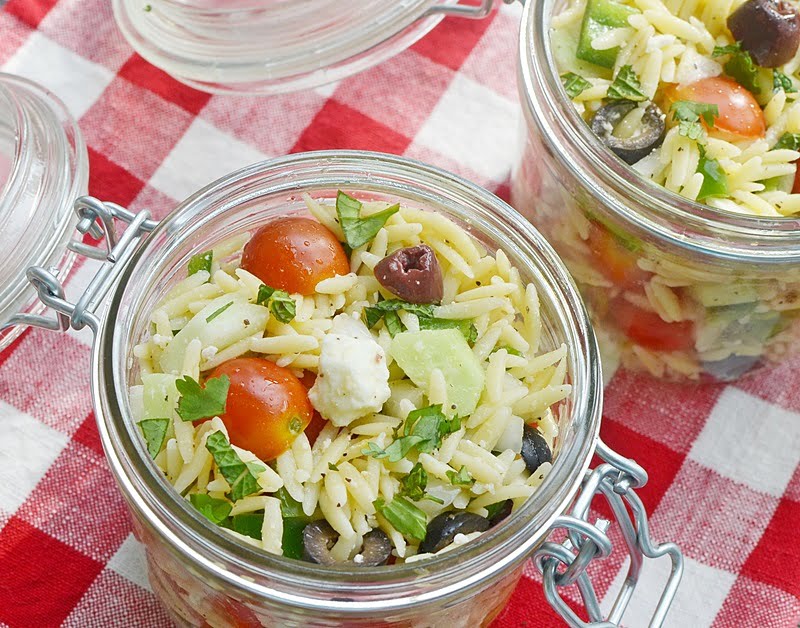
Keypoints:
(460, 539)
(209, 352)
(353, 379)
(358, 559)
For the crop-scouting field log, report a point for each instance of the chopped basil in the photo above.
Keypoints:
(393, 323)
(236, 473)
(290, 507)
(782, 82)
(466, 327)
(788, 140)
(280, 303)
(406, 518)
(248, 524)
(215, 510)
(574, 84)
(155, 433)
(688, 113)
(358, 230)
(201, 261)
(423, 429)
(715, 183)
(462, 478)
(413, 485)
(292, 540)
(626, 86)
(216, 313)
(509, 350)
(739, 66)
(493, 509)
(198, 402)
(332, 467)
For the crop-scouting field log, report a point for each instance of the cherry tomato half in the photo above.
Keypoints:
(649, 330)
(740, 117)
(616, 262)
(294, 254)
(317, 421)
(267, 406)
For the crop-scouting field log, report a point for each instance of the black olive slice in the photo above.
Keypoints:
(443, 529)
(319, 538)
(376, 549)
(629, 149)
(768, 29)
(535, 450)
(412, 274)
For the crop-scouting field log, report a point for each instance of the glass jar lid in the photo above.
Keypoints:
(43, 169)
(275, 46)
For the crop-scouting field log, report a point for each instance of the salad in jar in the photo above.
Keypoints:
(702, 99)
(360, 386)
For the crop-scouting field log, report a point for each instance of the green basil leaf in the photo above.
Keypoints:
(493, 509)
(280, 303)
(688, 113)
(406, 518)
(290, 507)
(715, 182)
(155, 433)
(466, 327)
(248, 524)
(739, 66)
(201, 261)
(292, 541)
(462, 478)
(788, 140)
(393, 324)
(574, 84)
(415, 482)
(782, 82)
(626, 86)
(215, 510)
(358, 230)
(236, 473)
(198, 402)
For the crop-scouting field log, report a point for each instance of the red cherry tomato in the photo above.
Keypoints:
(616, 262)
(796, 186)
(740, 117)
(648, 330)
(267, 406)
(294, 254)
(317, 421)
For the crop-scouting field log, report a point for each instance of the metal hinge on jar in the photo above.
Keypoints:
(96, 219)
(472, 11)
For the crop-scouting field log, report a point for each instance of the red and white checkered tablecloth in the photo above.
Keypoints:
(724, 461)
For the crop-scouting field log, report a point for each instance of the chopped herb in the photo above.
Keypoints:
(387, 310)
(574, 84)
(433, 499)
(215, 510)
(255, 468)
(280, 303)
(290, 507)
(148, 8)
(626, 86)
(739, 66)
(493, 509)
(462, 478)
(788, 140)
(248, 524)
(358, 230)
(688, 114)
(236, 473)
(413, 485)
(509, 350)
(715, 183)
(292, 540)
(155, 433)
(406, 518)
(198, 402)
(332, 467)
(393, 323)
(216, 313)
(782, 82)
(201, 261)
(466, 327)
(423, 429)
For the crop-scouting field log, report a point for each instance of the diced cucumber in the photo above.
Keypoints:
(601, 16)
(419, 353)
(215, 328)
(160, 396)
(783, 183)
(716, 295)
(564, 44)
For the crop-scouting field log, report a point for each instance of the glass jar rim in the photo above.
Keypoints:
(152, 497)
(726, 235)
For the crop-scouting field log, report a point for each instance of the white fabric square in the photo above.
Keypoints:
(488, 147)
(28, 449)
(750, 441)
(202, 155)
(129, 562)
(77, 81)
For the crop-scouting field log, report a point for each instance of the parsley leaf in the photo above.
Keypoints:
(782, 82)
(406, 518)
(358, 230)
(216, 313)
(201, 261)
(236, 473)
(466, 327)
(215, 510)
(715, 183)
(423, 429)
(413, 485)
(198, 402)
(626, 86)
(574, 84)
(155, 433)
(788, 140)
(462, 478)
(739, 66)
(280, 303)
(688, 113)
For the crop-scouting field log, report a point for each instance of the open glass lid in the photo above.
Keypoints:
(274, 46)
(43, 169)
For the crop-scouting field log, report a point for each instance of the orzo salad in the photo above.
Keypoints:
(364, 386)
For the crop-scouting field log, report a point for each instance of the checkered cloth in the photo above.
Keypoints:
(723, 460)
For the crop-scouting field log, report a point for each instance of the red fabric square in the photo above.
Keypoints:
(493, 61)
(41, 578)
(776, 559)
(342, 127)
(110, 181)
(793, 490)
(88, 436)
(527, 608)
(141, 73)
(134, 127)
(15, 32)
(30, 11)
(428, 155)
(754, 604)
(773, 384)
(452, 41)
(663, 412)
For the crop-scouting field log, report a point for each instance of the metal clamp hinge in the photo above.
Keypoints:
(566, 563)
(96, 219)
(472, 11)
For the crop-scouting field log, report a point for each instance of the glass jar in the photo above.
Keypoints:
(205, 577)
(275, 46)
(43, 168)
(683, 290)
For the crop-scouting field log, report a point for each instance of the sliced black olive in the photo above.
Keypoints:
(319, 538)
(732, 367)
(501, 514)
(768, 29)
(444, 527)
(412, 274)
(535, 450)
(629, 149)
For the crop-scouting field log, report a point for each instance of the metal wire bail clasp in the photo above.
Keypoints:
(96, 219)
(472, 11)
(565, 563)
